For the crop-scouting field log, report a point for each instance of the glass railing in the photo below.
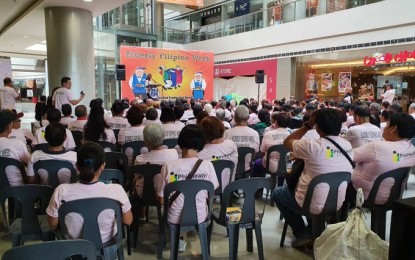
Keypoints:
(273, 16)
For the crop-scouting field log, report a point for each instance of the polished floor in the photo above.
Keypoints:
(271, 229)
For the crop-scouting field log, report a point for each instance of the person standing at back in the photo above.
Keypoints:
(8, 95)
(63, 95)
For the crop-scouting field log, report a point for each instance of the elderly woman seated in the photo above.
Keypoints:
(153, 135)
(217, 147)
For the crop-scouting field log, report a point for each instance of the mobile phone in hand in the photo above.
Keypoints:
(82, 93)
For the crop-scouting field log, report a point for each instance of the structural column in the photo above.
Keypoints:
(70, 49)
(158, 20)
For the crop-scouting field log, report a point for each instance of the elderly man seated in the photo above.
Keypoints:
(317, 161)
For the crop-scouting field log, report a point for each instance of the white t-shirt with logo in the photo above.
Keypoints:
(66, 120)
(39, 138)
(227, 150)
(154, 157)
(75, 191)
(244, 136)
(378, 157)
(131, 134)
(18, 134)
(320, 157)
(64, 175)
(62, 96)
(117, 122)
(172, 130)
(177, 171)
(272, 138)
(359, 135)
(8, 98)
(15, 149)
(77, 125)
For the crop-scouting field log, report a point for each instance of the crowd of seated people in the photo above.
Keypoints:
(210, 131)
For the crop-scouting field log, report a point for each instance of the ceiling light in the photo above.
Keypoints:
(26, 37)
(88, 0)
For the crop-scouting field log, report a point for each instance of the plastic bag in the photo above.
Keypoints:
(351, 239)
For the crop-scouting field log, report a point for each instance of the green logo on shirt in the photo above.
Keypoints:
(396, 157)
(329, 152)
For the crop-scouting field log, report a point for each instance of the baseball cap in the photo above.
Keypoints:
(6, 117)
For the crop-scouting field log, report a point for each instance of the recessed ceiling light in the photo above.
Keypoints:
(88, 0)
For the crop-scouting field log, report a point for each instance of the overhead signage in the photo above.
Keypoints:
(387, 58)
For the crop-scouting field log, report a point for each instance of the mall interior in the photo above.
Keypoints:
(304, 46)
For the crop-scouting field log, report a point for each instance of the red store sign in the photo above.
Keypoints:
(387, 58)
(249, 68)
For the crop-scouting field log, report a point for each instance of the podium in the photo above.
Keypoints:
(153, 91)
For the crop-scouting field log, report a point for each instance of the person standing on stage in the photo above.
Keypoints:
(63, 95)
(8, 95)
(138, 83)
(198, 86)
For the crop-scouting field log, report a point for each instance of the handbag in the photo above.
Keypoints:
(189, 176)
(292, 178)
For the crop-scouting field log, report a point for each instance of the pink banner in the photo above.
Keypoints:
(249, 69)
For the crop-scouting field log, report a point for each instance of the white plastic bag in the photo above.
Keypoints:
(351, 239)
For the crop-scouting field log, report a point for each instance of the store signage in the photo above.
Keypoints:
(211, 12)
(379, 58)
(248, 69)
(241, 7)
(184, 2)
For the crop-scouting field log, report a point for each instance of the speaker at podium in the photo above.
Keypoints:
(153, 91)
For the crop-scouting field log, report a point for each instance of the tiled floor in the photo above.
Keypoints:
(271, 229)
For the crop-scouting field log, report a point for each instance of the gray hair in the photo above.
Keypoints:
(208, 108)
(220, 113)
(412, 105)
(374, 108)
(153, 135)
(241, 113)
(222, 104)
(232, 102)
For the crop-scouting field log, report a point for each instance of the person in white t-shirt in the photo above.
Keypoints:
(63, 95)
(96, 129)
(55, 135)
(217, 147)
(12, 148)
(151, 117)
(133, 133)
(411, 109)
(220, 113)
(67, 115)
(8, 94)
(241, 134)
(271, 138)
(389, 94)
(17, 132)
(378, 157)
(81, 119)
(363, 132)
(90, 163)
(172, 127)
(153, 135)
(53, 116)
(320, 157)
(191, 141)
(253, 116)
(117, 121)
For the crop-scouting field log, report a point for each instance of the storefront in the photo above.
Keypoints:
(362, 72)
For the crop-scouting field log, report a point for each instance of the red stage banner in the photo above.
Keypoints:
(174, 73)
(183, 2)
(249, 69)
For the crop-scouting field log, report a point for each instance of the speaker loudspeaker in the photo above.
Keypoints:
(119, 72)
(259, 76)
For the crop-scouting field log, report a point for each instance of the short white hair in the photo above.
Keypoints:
(241, 113)
(220, 113)
(208, 108)
(153, 135)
